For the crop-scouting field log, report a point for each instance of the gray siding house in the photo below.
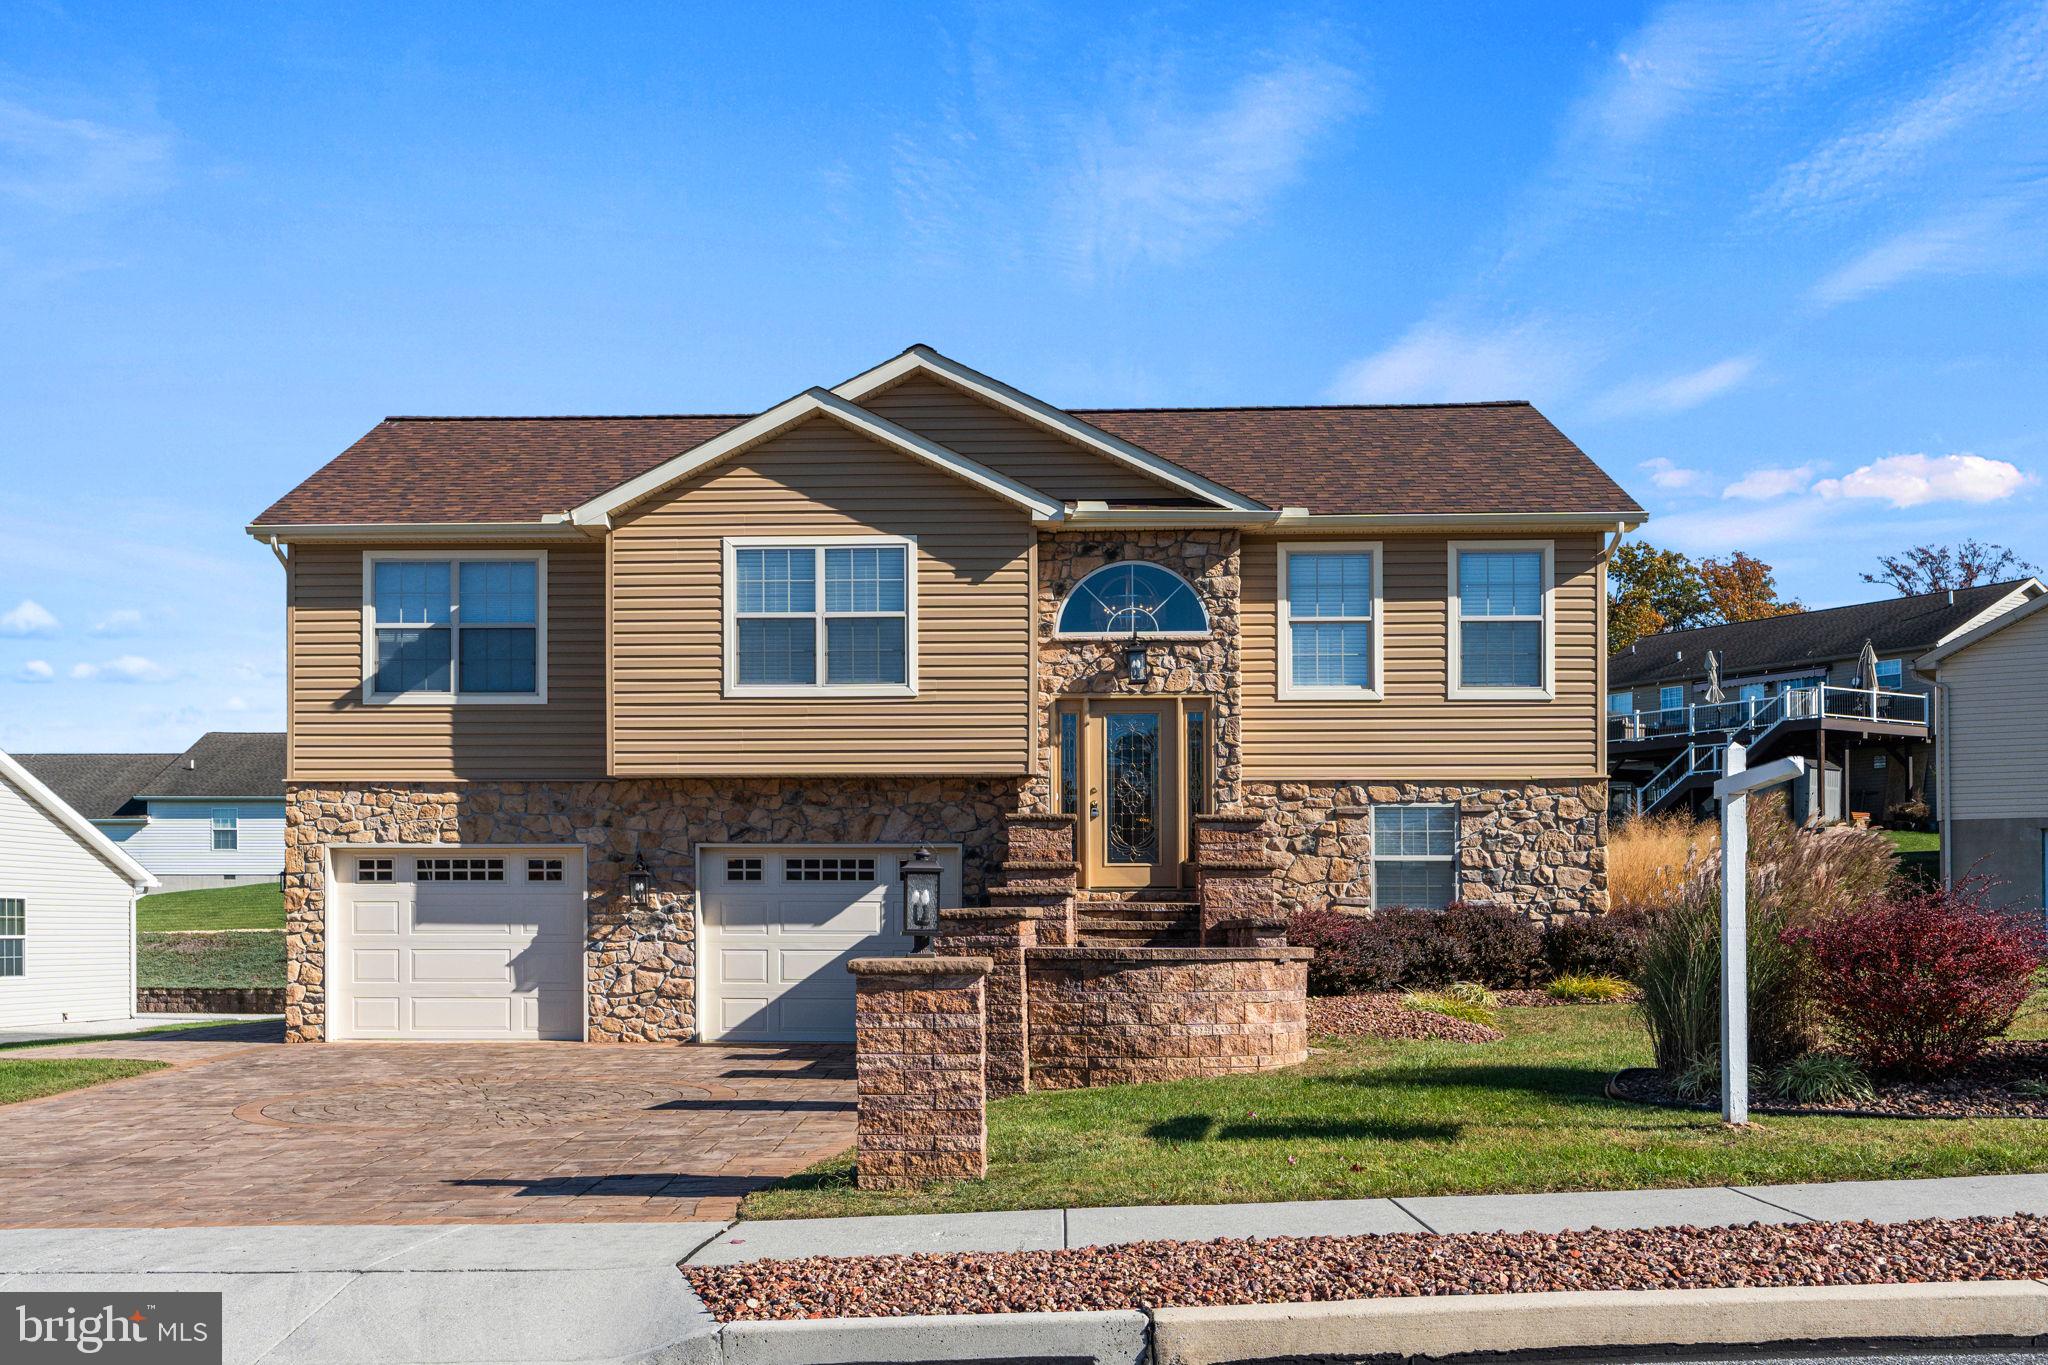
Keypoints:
(1796, 684)
(1989, 688)
(210, 816)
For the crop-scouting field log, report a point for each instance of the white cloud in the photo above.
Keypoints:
(1670, 477)
(2006, 234)
(128, 668)
(29, 617)
(1440, 362)
(1679, 392)
(35, 671)
(125, 621)
(1762, 485)
(73, 164)
(1156, 182)
(1911, 480)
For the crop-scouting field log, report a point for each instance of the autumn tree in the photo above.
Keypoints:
(1932, 568)
(1652, 590)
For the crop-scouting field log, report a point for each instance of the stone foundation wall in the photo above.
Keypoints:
(1540, 847)
(1115, 1016)
(639, 960)
(209, 1000)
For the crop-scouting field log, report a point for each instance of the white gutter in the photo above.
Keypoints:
(435, 531)
(1094, 515)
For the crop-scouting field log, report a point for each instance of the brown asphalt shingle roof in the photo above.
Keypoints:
(1450, 458)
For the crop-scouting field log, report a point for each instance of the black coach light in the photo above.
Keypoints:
(921, 894)
(1136, 666)
(640, 880)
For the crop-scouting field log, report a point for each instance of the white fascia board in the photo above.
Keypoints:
(138, 876)
(1295, 521)
(436, 532)
(786, 414)
(1955, 644)
(1045, 416)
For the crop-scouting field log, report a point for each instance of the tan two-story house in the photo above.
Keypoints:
(621, 728)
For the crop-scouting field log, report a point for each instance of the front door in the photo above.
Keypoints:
(1133, 811)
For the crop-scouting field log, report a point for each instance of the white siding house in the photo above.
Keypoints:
(67, 910)
(202, 841)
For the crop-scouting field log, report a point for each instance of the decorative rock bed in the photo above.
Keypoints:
(1114, 1016)
(1384, 1016)
(1396, 1265)
(1986, 1089)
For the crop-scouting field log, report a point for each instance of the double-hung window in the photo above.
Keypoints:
(1329, 620)
(1670, 697)
(1891, 675)
(1621, 703)
(13, 934)
(1500, 619)
(821, 616)
(227, 832)
(1414, 857)
(446, 629)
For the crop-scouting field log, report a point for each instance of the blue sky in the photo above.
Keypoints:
(1778, 267)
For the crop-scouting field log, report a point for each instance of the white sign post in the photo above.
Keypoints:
(1733, 790)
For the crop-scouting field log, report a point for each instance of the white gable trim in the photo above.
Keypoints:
(786, 414)
(1043, 415)
(1980, 628)
(138, 876)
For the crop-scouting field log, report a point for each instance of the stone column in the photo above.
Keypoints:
(921, 1057)
(1003, 934)
(1039, 874)
(1234, 873)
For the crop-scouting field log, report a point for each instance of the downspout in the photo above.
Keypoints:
(278, 550)
(1941, 778)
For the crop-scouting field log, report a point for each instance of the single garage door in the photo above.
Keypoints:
(457, 943)
(781, 923)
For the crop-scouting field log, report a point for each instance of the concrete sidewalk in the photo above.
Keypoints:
(117, 1028)
(383, 1295)
(1882, 1201)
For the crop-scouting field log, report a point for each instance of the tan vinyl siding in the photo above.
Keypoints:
(334, 737)
(1416, 732)
(972, 710)
(1032, 456)
(1997, 741)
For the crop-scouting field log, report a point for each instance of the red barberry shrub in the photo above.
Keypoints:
(1917, 981)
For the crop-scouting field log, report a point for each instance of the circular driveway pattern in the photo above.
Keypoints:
(467, 1104)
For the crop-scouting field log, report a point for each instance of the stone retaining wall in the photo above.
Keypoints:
(1114, 1016)
(209, 1000)
(640, 960)
(1540, 847)
(920, 1055)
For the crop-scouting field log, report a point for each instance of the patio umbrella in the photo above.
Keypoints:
(1715, 696)
(1866, 664)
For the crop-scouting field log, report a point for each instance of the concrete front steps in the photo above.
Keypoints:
(1137, 919)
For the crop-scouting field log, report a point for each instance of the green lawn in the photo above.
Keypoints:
(30, 1080)
(1914, 841)
(257, 906)
(1366, 1118)
(209, 959)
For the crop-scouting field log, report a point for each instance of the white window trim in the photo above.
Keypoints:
(214, 828)
(733, 687)
(1200, 606)
(21, 938)
(1284, 646)
(1457, 844)
(1454, 685)
(456, 697)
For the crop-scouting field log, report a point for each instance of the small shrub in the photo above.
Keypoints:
(1700, 1081)
(1490, 944)
(1820, 1078)
(2031, 1088)
(1919, 981)
(1600, 945)
(1589, 990)
(1445, 1003)
(1339, 966)
(1472, 993)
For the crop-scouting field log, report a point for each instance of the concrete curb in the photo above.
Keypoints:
(1461, 1325)
(1114, 1338)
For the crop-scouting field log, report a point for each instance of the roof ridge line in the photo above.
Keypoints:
(564, 417)
(1194, 407)
(1322, 407)
(1822, 611)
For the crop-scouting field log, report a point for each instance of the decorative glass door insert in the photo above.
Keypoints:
(1132, 780)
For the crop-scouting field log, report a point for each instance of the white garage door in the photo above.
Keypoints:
(457, 943)
(780, 925)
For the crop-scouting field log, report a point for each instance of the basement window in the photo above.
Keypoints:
(1414, 857)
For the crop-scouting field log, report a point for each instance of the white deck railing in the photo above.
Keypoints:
(1721, 718)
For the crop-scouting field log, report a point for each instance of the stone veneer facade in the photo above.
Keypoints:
(1539, 846)
(639, 960)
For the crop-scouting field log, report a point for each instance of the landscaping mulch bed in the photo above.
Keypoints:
(1986, 1089)
(1529, 999)
(1384, 1016)
(1398, 1265)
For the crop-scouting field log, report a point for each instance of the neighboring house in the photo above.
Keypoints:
(210, 816)
(762, 659)
(67, 910)
(1994, 763)
(1795, 684)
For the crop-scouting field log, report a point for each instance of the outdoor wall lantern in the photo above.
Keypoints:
(921, 895)
(640, 880)
(1137, 667)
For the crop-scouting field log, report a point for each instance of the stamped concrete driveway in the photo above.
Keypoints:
(244, 1131)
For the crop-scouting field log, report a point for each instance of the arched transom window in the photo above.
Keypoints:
(1118, 599)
